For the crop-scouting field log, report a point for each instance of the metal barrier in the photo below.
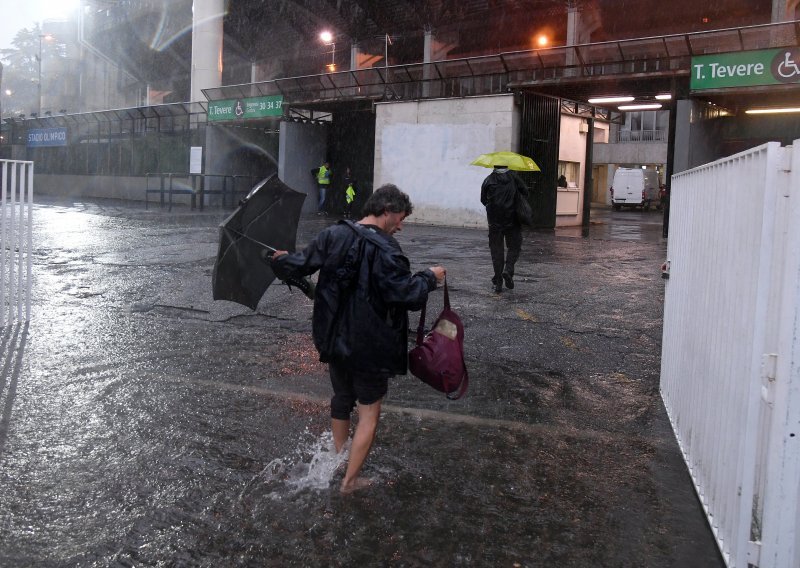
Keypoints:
(730, 368)
(197, 187)
(642, 136)
(16, 234)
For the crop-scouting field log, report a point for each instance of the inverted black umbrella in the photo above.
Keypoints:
(265, 221)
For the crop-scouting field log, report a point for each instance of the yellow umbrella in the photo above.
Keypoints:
(511, 160)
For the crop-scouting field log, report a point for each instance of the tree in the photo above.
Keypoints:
(21, 69)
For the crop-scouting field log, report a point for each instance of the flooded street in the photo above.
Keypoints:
(144, 424)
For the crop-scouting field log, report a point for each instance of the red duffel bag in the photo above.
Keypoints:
(438, 358)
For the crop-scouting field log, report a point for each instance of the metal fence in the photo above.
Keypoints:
(642, 136)
(16, 233)
(730, 370)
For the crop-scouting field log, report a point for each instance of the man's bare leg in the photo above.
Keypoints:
(341, 431)
(368, 416)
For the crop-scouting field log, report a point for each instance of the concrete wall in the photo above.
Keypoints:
(237, 150)
(631, 153)
(425, 148)
(130, 188)
(303, 147)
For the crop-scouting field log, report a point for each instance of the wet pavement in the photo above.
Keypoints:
(144, 424)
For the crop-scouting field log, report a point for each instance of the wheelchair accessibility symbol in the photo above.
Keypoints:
(786, 65)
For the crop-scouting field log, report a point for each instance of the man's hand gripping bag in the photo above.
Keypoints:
(438, 358)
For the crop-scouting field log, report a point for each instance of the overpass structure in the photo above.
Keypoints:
(649, 66)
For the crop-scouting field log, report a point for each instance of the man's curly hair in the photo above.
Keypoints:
(387, 198)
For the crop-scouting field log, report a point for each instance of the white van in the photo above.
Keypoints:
(635, 187)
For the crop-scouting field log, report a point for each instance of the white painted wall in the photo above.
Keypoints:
(425, 148)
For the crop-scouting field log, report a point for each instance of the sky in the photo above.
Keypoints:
(17, 15)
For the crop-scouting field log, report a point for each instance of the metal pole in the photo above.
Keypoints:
(29, 245)
(4, 239)
(588, 182)
(39, 98)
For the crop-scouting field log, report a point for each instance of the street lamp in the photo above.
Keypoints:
(327, 39)
(48, 37)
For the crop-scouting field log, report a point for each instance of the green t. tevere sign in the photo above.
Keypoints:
(746, 69)
(241, 109)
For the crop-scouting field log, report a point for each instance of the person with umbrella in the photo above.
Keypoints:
(360, 319)
(499, 194)
(505, 196)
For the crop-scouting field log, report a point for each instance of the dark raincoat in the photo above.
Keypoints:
(499, 195)
(360, 261)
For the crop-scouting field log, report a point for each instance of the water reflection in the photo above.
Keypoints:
(12, 352)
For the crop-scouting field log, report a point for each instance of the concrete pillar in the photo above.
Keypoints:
(433, 50)
(581, 22)
(427, 71)
(354, 53)
(206, 46)
(784, 10)
(573, 21)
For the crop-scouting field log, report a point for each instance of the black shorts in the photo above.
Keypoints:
(350, 387)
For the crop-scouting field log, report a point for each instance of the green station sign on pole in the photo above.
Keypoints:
(242, 109)
(746, 69)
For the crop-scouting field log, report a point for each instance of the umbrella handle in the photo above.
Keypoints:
(302, 283)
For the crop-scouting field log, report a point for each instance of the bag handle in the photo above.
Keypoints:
(421, 326)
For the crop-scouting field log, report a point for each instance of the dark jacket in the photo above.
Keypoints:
(358, 263)
(499, 195)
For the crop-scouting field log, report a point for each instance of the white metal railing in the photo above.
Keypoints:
(16, 232)
(730, 368)
(642, 136)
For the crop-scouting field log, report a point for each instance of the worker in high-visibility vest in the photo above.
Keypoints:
(323, 183)
(349, 197)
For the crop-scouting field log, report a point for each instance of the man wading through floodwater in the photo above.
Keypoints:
(360, 322)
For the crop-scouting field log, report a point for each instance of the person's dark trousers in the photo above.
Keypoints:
(501, 238)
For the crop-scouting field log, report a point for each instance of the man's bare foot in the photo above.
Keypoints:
(354, 485)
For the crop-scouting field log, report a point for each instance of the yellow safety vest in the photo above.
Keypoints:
(323, 176)
(349, 193)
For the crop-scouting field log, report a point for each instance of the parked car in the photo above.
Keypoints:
(635, 187)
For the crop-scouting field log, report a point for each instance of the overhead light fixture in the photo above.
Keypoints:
(664, 97)
(771, 110)
(644, 106)
(602, 100)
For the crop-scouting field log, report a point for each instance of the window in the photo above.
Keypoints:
(645, 126)
(571, 171)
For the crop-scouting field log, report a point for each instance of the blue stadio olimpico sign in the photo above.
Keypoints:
(42, 137)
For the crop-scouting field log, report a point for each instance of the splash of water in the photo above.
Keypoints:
(311, 466)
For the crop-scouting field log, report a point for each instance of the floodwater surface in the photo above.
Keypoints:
(144, 424)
